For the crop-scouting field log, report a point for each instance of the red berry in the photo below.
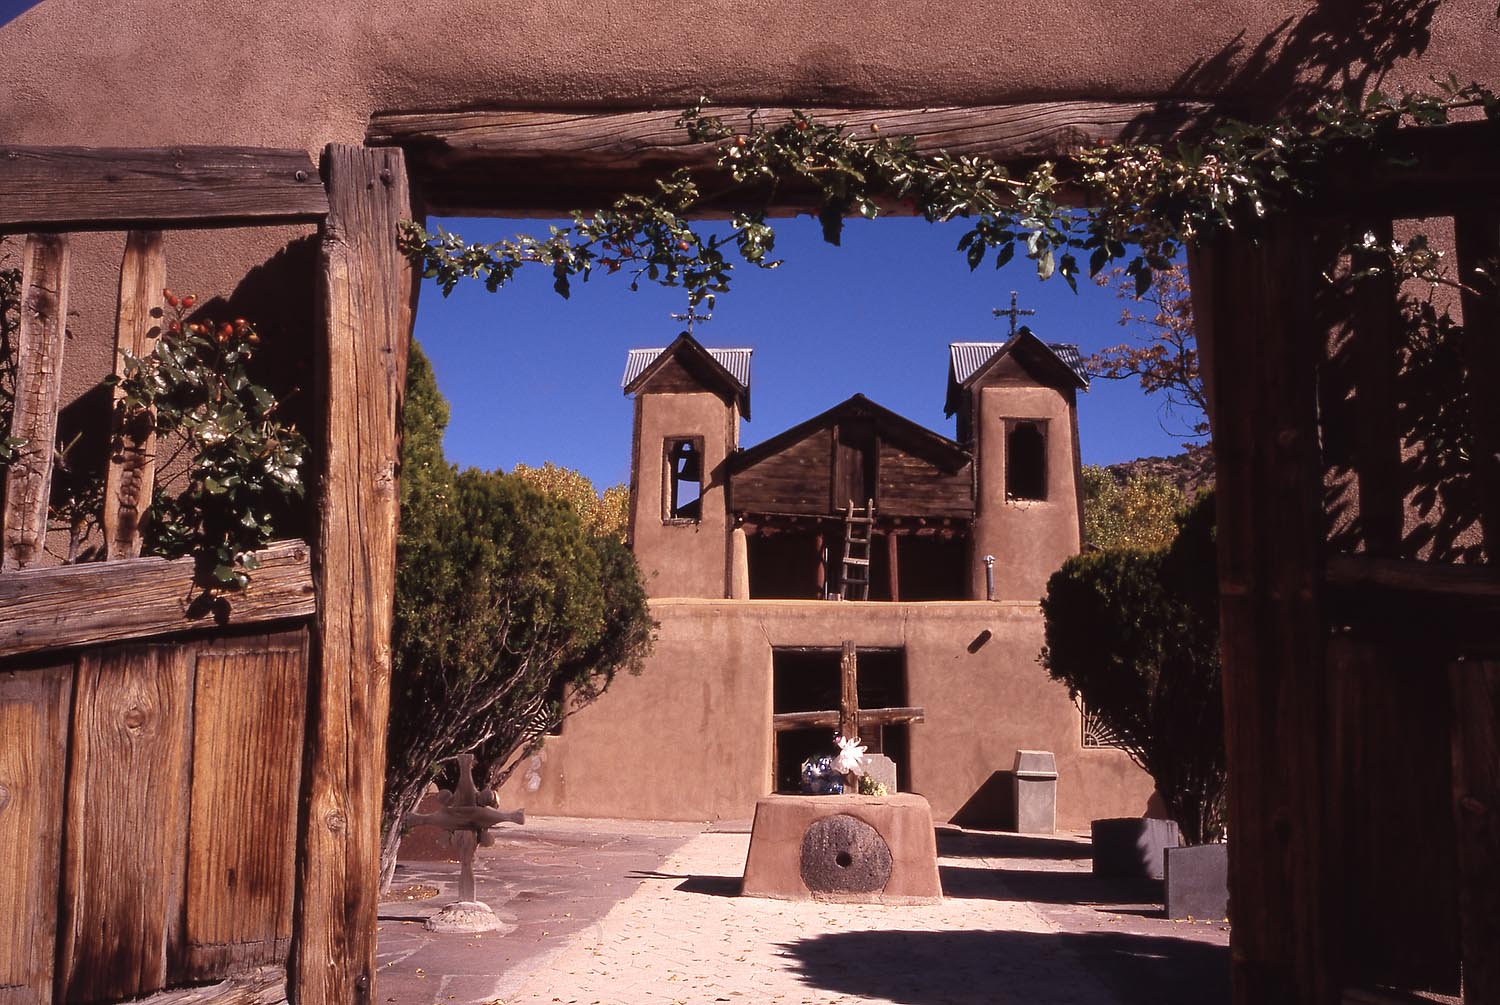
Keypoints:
(684, 246)
(189, 300)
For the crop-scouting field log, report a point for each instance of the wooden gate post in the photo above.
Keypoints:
(368, 298)
(1266, 347)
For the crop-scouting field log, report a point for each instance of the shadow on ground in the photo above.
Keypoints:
(713, 886)
(908, 967)
(979, 844)
(1046, 886)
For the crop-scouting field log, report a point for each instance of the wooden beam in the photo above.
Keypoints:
(96, 188)
(39, 358)
(848, 690)
(829, 719)
(1475, 687)
(513, 161)
(369, 296)
(892, 557)
(1377, 438)
(132, 456)
(76, 605)
(1476, 588)
(1477, 235)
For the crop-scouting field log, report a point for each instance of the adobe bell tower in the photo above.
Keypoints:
(688, 404)
(1017, 411)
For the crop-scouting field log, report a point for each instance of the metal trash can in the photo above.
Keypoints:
(1036, 792)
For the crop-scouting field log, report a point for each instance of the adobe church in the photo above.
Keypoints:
(859, 526)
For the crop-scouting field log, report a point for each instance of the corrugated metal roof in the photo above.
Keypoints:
(736, 361)
(968, 357)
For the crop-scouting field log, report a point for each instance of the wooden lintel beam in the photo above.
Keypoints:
(829, 719)
(551, 160)
(74, 605)
(100, 188)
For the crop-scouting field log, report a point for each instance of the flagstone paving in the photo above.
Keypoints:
(1023, 922)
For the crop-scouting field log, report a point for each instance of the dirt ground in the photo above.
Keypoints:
(637, 912)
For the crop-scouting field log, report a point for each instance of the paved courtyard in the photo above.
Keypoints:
(625, 912)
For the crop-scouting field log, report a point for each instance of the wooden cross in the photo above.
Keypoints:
(849, 716)
(1013, 313)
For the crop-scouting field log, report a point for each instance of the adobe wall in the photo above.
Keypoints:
(690, 738)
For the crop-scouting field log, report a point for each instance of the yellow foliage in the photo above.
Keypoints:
(603, 515)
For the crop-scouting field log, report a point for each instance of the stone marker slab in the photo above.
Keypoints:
(863, 849)
(883, 770)
(1198, 882)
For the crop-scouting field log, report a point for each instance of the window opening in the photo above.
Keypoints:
(684, 496)
(1025, 461)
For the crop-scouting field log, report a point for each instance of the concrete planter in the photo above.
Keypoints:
(1132, 847)
(1198, 882)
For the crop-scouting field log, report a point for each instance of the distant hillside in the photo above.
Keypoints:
(1190, 471)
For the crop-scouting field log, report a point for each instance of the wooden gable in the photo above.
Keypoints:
(854, 451)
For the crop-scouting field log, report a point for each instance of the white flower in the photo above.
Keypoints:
(851, 756)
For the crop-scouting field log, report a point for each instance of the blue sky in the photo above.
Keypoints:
(533, 378)
(10, 8)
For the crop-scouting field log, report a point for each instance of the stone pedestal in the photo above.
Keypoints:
(862, 849)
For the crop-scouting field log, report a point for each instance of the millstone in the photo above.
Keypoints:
(843, 854)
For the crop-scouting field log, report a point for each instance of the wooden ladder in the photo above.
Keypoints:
(858, 525)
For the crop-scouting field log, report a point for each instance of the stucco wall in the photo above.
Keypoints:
(681, 558)
(690, 738)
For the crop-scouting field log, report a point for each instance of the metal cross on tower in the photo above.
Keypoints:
(691, 317)
(1013, 313)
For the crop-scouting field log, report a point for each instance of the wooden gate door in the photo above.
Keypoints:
(1358, 455)
(190, 791)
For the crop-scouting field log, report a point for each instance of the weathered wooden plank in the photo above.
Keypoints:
(848, 690)
(830, 719)
(369, 296)
(1478, 240)
(1388, 806)
(39, 358)
(249, 707)
(1266, 347)
(34, 716)
(1475, 688)
(132, 457)
(1476, 588)
(125, 849)
(266, 986)
(606, 153)
(112, 601)
(89, 188)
